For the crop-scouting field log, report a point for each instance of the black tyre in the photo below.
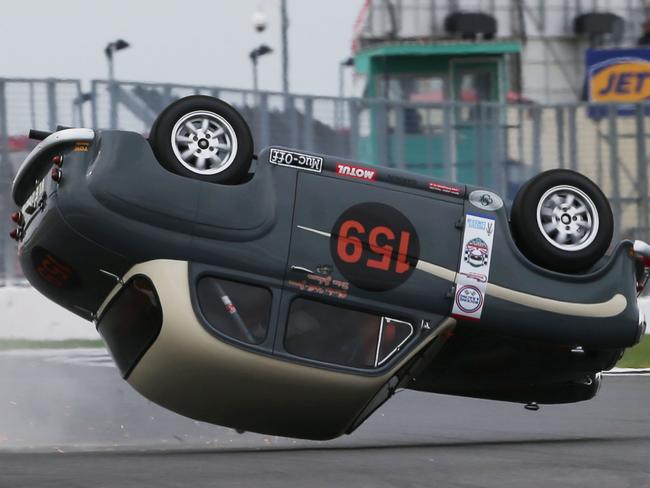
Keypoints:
(204, 138)
(562, 221)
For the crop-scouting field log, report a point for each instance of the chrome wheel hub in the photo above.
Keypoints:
(204, 142)
(567, 218)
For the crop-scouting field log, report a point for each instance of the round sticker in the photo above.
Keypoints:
(469, 299)
(485, 200)
(374, 246)
(476, 252)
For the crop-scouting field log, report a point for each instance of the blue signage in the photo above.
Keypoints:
(619, 76)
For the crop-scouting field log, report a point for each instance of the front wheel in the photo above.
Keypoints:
(203, 138)
(562, 221)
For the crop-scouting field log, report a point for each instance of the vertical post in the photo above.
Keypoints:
(167, 94)
(111, 67)
(643, 217)
(400, 141)
(615, 197)
(338, 106)
(294, 133)
(309, 124)
(93, 105)
(80, 105)
(7, 247)
(256, 101)
(536, 138)
(479, 125)
(51, 104)
(255, 88)
(341, 147)
(285, 49)
(599, 153)
(573, 139)
(434, 18)
(559, 122)
(32, 106)
(112, 89)
(380, 137)
(430, 151)
(520, 135)
(499, 169)
(264, 125)
(354, 128)
(447, 144)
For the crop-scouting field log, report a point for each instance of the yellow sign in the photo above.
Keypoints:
(625, 81)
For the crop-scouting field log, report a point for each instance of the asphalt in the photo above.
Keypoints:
(67, 419)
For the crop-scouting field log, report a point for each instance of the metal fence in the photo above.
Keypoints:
(25, 104)
(489, 144)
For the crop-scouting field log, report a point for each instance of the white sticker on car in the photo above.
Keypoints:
(296, 160)
(474, 269)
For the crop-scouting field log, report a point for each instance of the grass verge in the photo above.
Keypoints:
(8, 344)
(638, 356)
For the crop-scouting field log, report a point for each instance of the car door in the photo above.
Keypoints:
(368, 261)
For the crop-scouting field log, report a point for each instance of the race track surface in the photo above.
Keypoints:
(67, 419)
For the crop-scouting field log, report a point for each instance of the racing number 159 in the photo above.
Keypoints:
(350, 247)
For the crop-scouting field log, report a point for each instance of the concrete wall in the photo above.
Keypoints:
(26, 314)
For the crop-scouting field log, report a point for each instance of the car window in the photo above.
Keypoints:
(131, 322)
(343, 336)
(238, 310)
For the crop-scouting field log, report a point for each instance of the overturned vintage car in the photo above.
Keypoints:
(293, 293)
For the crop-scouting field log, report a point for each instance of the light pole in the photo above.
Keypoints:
(109, 50)
(260, 22)
(261, 50)
(285, 50)
(346, 63)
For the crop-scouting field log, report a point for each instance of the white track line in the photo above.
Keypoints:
(84, 357)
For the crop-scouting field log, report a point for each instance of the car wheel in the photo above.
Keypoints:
(562, 221)
(204, 138)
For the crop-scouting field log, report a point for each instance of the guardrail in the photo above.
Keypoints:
(490, 144)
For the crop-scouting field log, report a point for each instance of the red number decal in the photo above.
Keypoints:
(350, 248)
(345, 242)
(402, 265)
(384, 251)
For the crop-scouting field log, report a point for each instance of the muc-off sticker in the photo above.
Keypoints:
(374, 246)
(474, 268)
(296, 160)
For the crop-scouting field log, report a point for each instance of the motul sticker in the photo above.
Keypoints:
(356, 172)
(474, 269)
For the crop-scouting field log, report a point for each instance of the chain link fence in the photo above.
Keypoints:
(495, 145)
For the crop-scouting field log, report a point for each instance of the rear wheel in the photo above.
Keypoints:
(203, 138)
(561, 220)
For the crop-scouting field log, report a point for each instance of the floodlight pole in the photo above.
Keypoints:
(261, 50)
(109, 51)
(255, 83)
(285, 51)
(346, 63)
